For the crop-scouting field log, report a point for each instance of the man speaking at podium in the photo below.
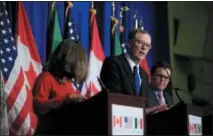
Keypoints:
(122, 73)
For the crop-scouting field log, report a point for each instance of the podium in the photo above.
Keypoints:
(207, 124)
(104, 114)
(182, 119)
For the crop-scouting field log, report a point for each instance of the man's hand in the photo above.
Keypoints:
(156, 109)
(162, 107)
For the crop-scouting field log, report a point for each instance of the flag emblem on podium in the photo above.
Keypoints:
(117, 121)
(128, 122)
(138, 123)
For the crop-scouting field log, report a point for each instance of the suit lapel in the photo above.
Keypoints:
(155, 99)
(129, 73)
(166, 98)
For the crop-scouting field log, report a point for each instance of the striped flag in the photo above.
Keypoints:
(70, 29)
(128, 122)
(71, 33)
(20, 66)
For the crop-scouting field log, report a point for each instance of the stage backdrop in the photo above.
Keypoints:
(154, 19)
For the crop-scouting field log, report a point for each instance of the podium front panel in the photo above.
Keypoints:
(126, 114)
(181, 119)
(195, 125)
(194, 120)
(99, 115)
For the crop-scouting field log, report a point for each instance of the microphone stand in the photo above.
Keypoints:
(103, 87)
(175, 89)
(176, 92)
(194, 96)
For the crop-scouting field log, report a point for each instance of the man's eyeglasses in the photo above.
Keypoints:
(142, 43)
(162, 76)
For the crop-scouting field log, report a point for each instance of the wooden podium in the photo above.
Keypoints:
(103, 114)
(182, 119)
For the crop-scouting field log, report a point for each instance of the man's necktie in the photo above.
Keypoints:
(137, 80)
(160, 97)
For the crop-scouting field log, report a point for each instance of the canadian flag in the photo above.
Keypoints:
(31, 64)
(117, 121)
(145, 66)
(91, 86)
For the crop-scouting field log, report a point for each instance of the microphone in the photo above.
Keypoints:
(103, 87)
(175, 89)
(196, 98)
(191, 86)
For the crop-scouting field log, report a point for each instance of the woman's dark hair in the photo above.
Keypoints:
(160, 64)
(68, 60)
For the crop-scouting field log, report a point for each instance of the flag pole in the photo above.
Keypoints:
(136, 19)
(92, 10)
(141, 23)
(122, 10)
(115, 20)
(113, 8)
(70, 5)
(92, 4)
(52, 5)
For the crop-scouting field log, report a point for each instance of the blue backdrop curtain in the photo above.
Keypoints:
(154, 15)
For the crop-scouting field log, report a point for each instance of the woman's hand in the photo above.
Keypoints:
(74, 98)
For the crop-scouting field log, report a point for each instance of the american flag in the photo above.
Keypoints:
(128, 122)
(17, 68)
(8, 52)
(70, 30)
(124, 47)
(71, 33)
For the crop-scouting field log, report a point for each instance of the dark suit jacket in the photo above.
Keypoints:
(152, 99)
(118, 77)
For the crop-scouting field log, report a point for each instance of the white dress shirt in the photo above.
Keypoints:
(132, 64)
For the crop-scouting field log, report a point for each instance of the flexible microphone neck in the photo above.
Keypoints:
(176, 92)
(175, 89)
(103, 87)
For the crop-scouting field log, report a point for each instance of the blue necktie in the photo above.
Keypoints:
(137, 80)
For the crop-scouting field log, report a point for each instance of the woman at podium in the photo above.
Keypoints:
(53, 87)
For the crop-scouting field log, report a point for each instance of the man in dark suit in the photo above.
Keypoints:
(158, 99)
(122, 73)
